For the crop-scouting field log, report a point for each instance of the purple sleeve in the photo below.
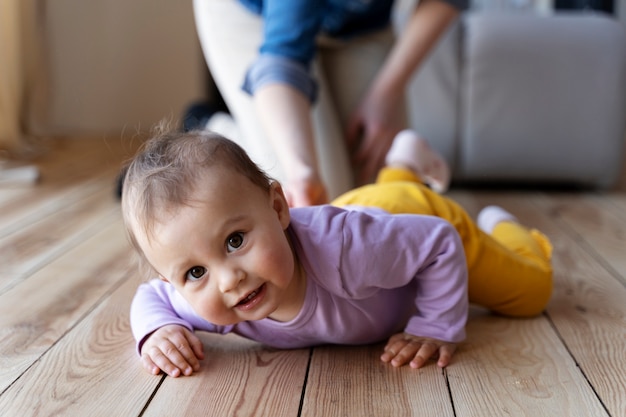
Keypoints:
(157, 304)
(442, 301)
(401, 250)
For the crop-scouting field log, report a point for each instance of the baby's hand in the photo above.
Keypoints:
(173, 349)
(403, 347)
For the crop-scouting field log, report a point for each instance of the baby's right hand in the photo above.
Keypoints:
(174, 350)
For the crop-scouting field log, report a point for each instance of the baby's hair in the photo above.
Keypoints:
(163, 175)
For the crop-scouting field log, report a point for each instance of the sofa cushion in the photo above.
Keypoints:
(543, 98)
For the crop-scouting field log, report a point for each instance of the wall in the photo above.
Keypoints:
(11, 78)
(119, 65)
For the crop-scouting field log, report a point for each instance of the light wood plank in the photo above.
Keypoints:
(71, 170)
(518, 368)
(45, 201)
(589, 311)
(587, 306)
(352, 381)
(14, 192)
(38, 311)
(92, 371)
(24, 252)
(599, 221)
(238, 378)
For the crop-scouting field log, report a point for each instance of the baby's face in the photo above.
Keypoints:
(226, 253)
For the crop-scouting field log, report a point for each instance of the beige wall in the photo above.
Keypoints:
(10, 74)
(119, 65)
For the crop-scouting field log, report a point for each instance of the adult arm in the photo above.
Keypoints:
(285, 114)
(379, 117)
(283, 91)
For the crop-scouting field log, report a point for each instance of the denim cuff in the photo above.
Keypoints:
(269, 69)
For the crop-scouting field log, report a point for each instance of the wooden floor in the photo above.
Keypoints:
(67, 278)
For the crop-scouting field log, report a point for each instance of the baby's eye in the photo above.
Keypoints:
(196, 273)
(234, 241)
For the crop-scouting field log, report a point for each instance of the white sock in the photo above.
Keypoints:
(412, 151)
(490, 216)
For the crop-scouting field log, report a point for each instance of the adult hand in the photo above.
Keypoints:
(403, 347)
(381, 114)
(174, 350)
(371, 130)
(307, 192)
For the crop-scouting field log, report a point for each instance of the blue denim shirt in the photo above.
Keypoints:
(292, 26)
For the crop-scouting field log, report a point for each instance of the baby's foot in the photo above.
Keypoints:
(490, 216)
(413, 152)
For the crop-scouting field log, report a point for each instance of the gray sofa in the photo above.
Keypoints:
(526, 98)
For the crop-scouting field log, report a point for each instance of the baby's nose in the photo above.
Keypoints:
(229, 279)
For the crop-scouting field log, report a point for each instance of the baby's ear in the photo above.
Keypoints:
(279, 203)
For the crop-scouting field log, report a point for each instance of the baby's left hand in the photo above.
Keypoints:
(403, 347)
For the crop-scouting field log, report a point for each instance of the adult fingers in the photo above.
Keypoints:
(370, 158)
(354, 132)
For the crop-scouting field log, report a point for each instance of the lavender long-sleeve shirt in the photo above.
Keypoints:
(369, 275)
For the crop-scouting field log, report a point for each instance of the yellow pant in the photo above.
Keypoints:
(509, 271)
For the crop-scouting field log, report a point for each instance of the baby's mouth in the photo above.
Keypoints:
(252, 299)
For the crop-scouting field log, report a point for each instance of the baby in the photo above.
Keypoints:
(391, 260)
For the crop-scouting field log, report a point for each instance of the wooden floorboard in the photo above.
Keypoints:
(352, 381)
(518, 367)
(28, 249)
(67, 278)
(43, 307)
(588, 306)
(91, 371)
(238, 378)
